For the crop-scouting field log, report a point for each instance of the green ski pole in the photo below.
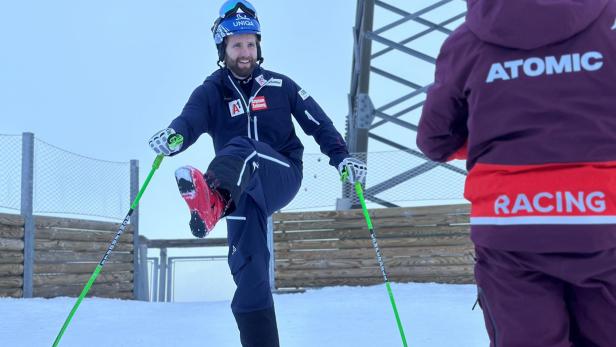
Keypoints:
(360, 195)
(99, 267)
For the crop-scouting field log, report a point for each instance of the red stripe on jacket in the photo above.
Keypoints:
(546, 190)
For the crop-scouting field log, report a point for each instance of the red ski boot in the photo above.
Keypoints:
(206, 204)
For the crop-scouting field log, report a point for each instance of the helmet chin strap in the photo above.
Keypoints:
(259, 56)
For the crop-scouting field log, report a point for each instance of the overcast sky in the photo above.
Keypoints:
(99, 78)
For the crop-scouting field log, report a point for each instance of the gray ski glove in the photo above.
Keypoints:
(355, 170)
(166, 142)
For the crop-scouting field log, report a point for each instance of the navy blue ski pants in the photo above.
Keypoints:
(260, 181)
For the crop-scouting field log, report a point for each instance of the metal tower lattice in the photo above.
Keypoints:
(399, 57)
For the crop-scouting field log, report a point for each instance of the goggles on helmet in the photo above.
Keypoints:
(236, 17)
(231, 7)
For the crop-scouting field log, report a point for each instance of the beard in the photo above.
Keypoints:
(244, 71)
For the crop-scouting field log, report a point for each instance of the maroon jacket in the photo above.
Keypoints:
(527, 88)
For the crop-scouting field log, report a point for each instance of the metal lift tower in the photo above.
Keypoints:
(399, 55)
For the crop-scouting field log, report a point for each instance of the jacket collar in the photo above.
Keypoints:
(260, 75)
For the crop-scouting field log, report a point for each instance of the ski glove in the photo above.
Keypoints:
(166, 142)
(355, 168)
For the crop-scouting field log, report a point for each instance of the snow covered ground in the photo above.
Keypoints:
(433, 315)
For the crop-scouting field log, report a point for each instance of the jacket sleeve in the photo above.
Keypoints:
(315, 123)
(195, 117)
(442, 132)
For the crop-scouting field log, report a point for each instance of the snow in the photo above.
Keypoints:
(184, 173)
(432, 315)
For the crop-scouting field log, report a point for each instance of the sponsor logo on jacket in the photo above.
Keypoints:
(551, 203)
(274, 82)
(535, 194)
(261, 80)
(550, 65)
(236, 108)
(258, 103)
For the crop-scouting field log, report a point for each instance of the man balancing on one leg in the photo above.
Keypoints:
(248, 112)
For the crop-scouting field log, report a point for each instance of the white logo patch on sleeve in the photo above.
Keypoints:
(304, 94)
(236, 108)
(614, 26)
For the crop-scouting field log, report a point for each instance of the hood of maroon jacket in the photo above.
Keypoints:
(529, 24)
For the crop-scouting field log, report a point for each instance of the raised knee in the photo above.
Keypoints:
(241, 141)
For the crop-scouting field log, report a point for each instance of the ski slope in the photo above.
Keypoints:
(433, 315)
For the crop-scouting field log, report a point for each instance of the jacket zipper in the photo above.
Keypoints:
(243, 102)
(250, 101)
(247, 105)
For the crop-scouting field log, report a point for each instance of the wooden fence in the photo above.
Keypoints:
(424, 244)
(11, 255)
(66, 253)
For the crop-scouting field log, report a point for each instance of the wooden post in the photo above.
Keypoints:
(162, 282)
(27, 189)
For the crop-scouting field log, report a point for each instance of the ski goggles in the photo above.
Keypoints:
(240, 9)
(232, 7)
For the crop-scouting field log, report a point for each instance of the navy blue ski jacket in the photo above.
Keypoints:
(219, 108)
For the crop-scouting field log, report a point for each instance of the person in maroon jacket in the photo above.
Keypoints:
(525, 90)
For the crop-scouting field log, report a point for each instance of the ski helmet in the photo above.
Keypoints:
(236, 17)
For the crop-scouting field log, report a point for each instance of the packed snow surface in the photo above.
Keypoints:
(433, 315)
